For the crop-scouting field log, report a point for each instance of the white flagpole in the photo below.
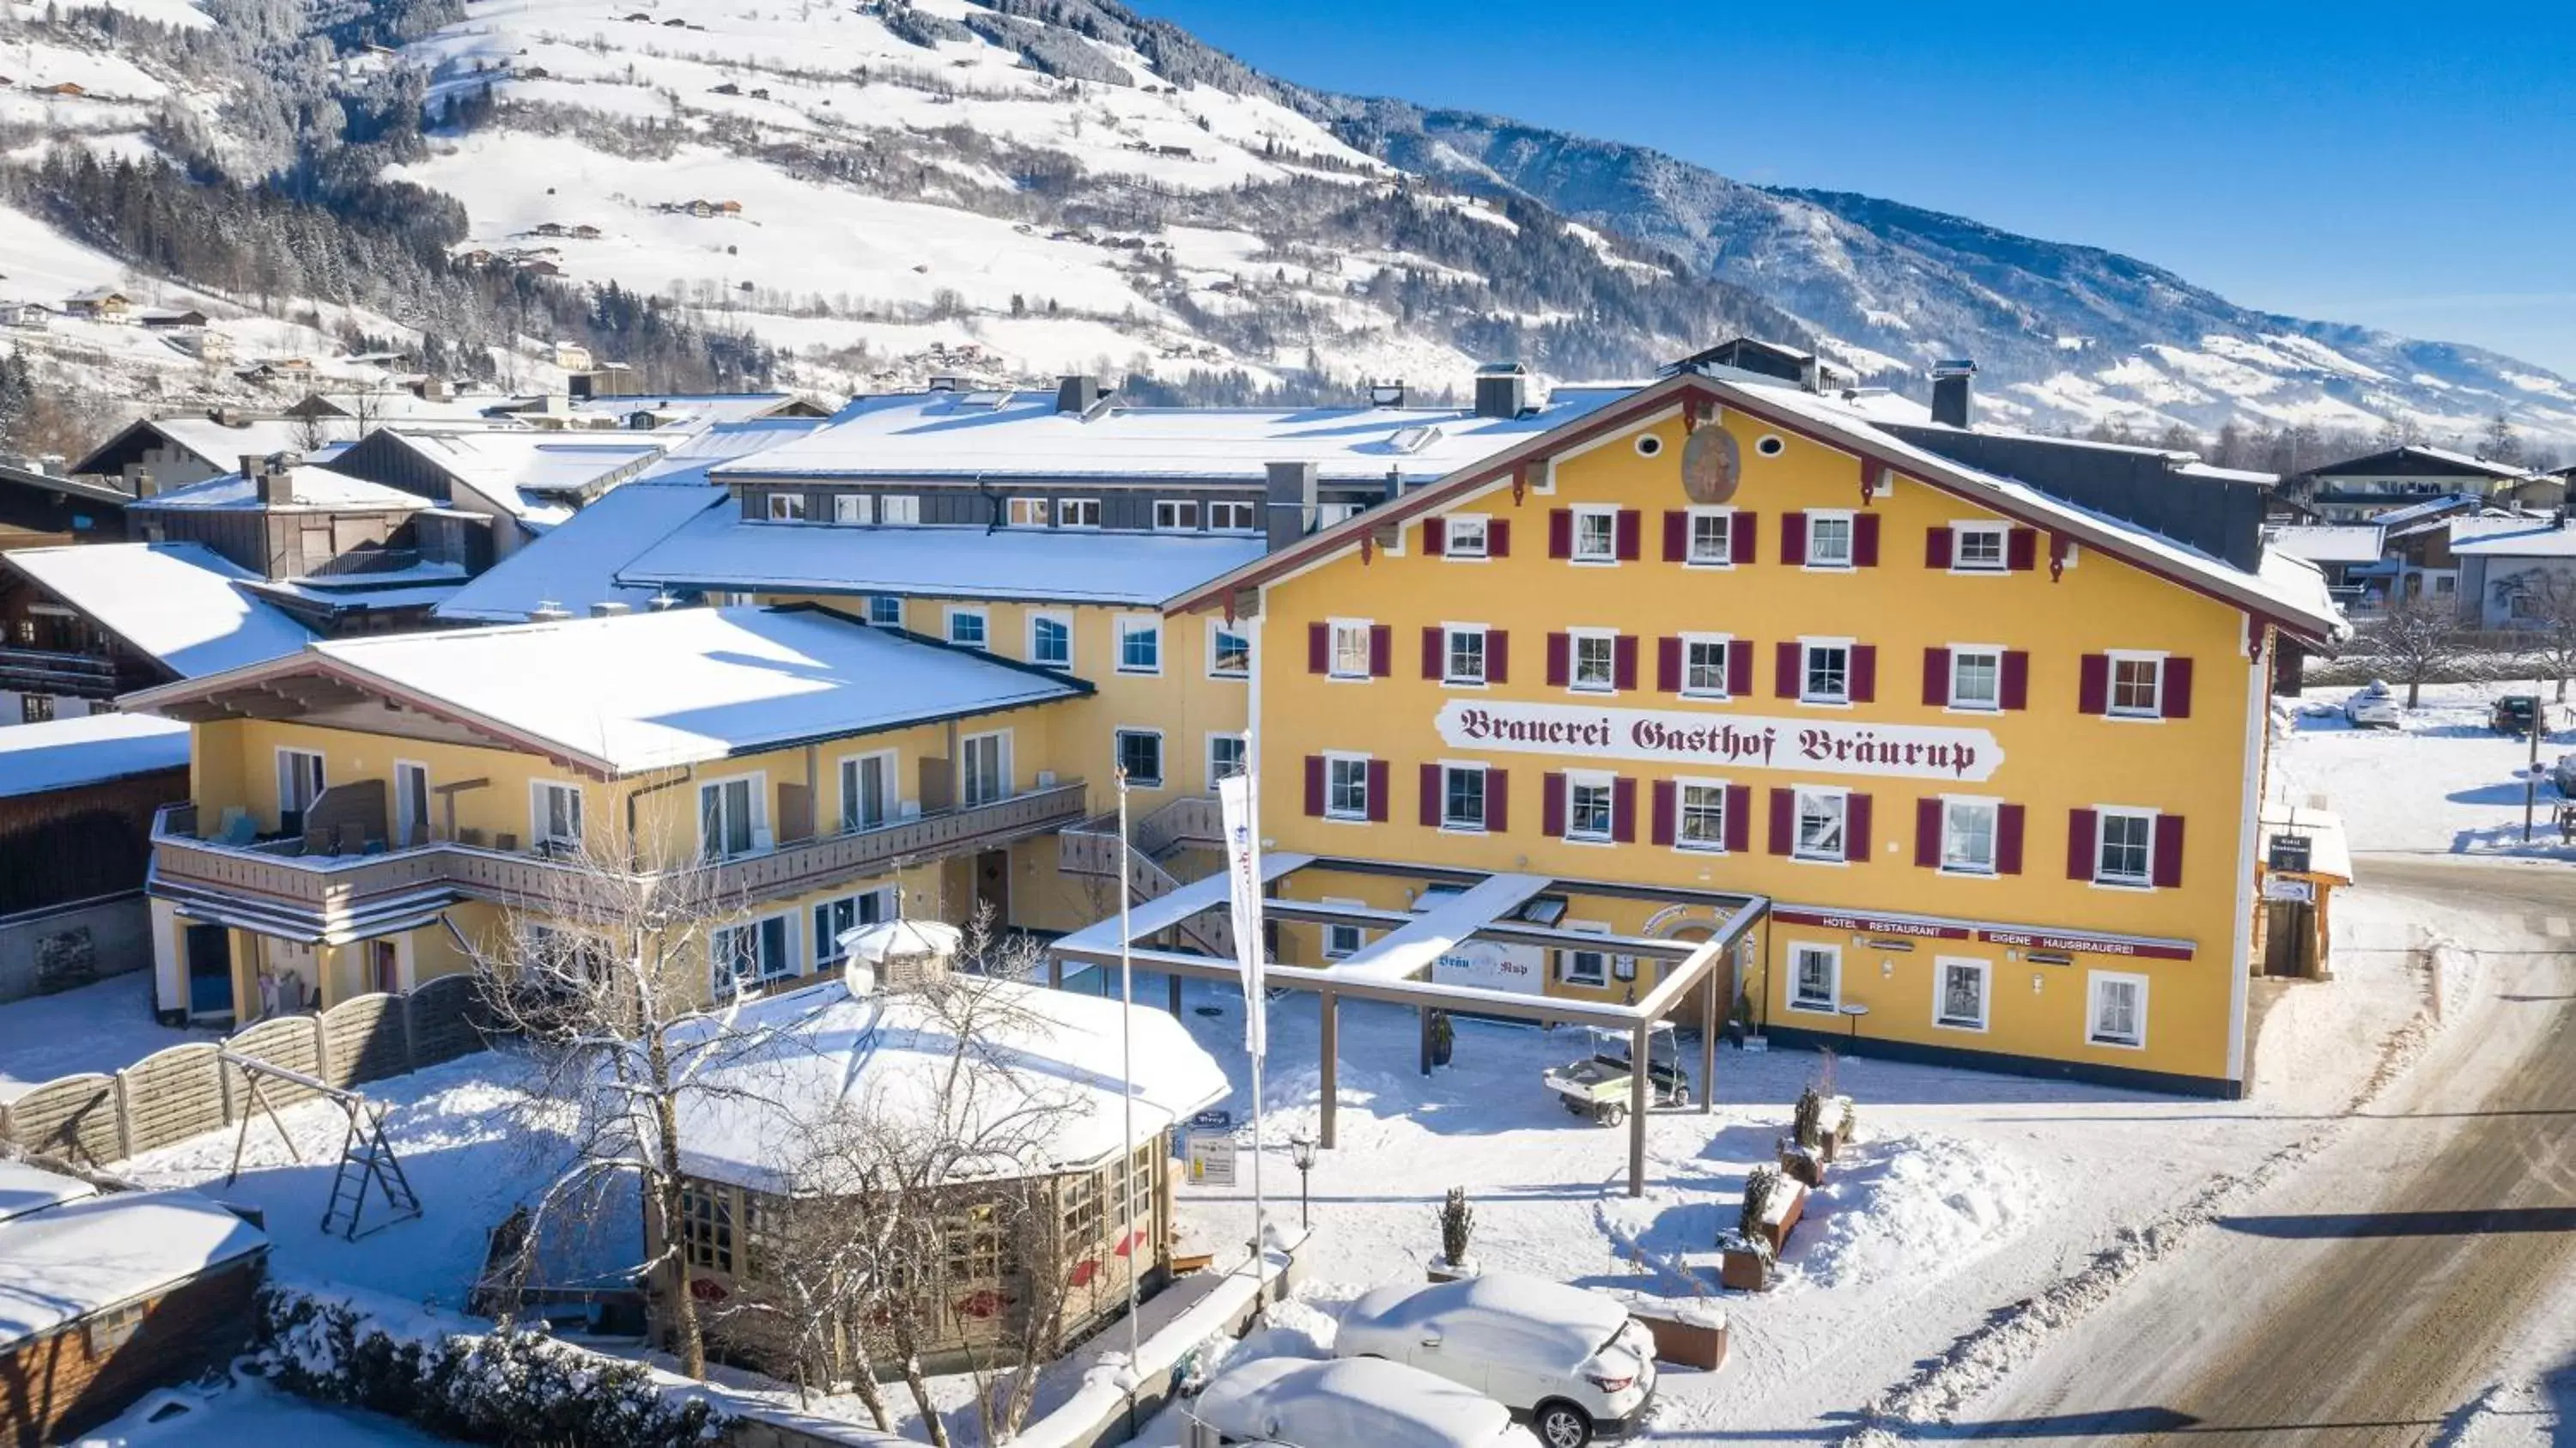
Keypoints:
(1127, 1079)
(1239, 801)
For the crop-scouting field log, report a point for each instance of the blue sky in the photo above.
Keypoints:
(2410, 167)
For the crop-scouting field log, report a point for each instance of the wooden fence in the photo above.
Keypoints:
(187, 1090)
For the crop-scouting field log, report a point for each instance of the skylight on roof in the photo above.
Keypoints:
(1414, 439)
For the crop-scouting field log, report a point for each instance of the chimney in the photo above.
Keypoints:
(609, 609)
(273, 477)
(946, 382)
(548, 611)
(1502, 390)
(1394, 485)
(436, 389)
(1076, 394)
(1290, 498)
(1954, 393)
(1389, 393)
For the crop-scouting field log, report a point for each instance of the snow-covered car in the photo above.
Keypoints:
(2371, 707)
(1345, 1403)
(2563, 775)
(1572, 1361)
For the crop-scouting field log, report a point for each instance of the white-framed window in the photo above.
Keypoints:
(1584, 967)
(1346, 786)
(1592, 660)
(899, 508)
(1815, 977)
(1462, 653)
(2116, 1013)
(787, 507)
(733, 816)
(1820, 813)
(1699, 814)
(1234, 517)
(2125, 848)
(1176, 514)
(1824, 676)
(1031, 512)
(1980, 547)
(969, 627)
(1140, 645)
(1351, 653)
(1596, 535)
(747, 954)
(1976, 677)
(1704, 659)
(1341, 942)
(1466, 535)
(1960, 991)
(1462, 797)
(1229, 651)
(2137, 686)
(1712, 538)
(554, 817)
(835, 918)
(984, 767)
(852, 508)
(1829, 538)
(1051, 640)
(870, 798)
(299, 783)
(1140, 754)
(1968, 836)
(1225, 756)
(1077, 512)
(1590, 806)
(885, 610)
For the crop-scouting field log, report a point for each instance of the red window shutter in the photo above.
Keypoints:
(1623, 810)
(1784, 821)
(2177, 688)
(1431, 796)
(1381, 650)
(1551, 805)
(1927, 833)
(2168, 852)
(1936, 677)
(2016, 679)
(1668, 665)
(1319, 648)
(1623, 661)
(1676, 536)
(1498, 538)
(1739, 667)
(1377, 791)
(1435, 651)
(1856, 828)
(1739, 816)
(1664, 811)
(2082, 834)
(1498, 801)
(1864, 540)
(1315, 785)
(2007, 839)
(1793, 538)
(1560, 532)
(1435, 536)
(1788, 661)
(2021, 550)
(1632, 527)
(1864, 673)
(1559, 660)
(1741, 531)
(1937, 546)
(2093, 685)
(1498, 656)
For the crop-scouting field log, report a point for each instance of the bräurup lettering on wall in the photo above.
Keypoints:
(1735, 741)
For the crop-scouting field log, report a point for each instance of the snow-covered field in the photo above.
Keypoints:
(2443, 783)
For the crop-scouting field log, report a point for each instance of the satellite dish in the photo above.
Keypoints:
(1711, 467)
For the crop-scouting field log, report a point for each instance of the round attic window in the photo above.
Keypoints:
(1771, 447)
(1648, 445)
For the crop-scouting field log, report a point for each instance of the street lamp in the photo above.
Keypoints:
(1301, 1149)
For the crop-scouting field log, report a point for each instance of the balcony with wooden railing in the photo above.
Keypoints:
(58, 671)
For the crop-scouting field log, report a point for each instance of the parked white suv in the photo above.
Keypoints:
(1574, 1362)
(1346, 1403)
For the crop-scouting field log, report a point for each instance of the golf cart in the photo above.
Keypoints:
(1598, 1085)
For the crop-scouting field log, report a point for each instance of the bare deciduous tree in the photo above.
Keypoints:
(2416, 637)
(2546, 600)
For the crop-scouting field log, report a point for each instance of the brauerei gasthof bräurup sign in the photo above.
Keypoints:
(1735, 741)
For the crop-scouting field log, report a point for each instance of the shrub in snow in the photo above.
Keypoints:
(1457, 1228)
(510, 1385)
(1762, 1189)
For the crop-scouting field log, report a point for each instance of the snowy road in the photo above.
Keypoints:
(2367, 1297)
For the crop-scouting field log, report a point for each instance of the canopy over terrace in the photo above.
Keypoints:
(1394, 967)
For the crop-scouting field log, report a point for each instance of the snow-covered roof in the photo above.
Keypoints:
(2420, 460)
(2512, 538)
(25, 1188)
(173, 601)
(2329, 851)
(651, 690)
(2329, 543)
(720, 549)
(688, 460)
(688, 409)
(2429, 508)
(79, 1257)
(62, 753)
(314, 489)
(1345, 1402)
(1057, 1053)
(575, 564)
(529, 473)
(1499, 1316)
(400, 406)
(224, 445)
(1022, 435)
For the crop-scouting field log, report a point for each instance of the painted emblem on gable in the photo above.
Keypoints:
(1711, 467)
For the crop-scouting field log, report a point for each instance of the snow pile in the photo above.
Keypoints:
(1912, 1207)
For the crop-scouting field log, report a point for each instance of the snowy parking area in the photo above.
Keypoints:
(2440, 783)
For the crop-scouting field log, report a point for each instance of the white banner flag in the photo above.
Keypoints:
(1236, 801)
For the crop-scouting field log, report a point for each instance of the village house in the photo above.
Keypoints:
(99, 304)
(2358, 490)
(89, 622)
(77, 797)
